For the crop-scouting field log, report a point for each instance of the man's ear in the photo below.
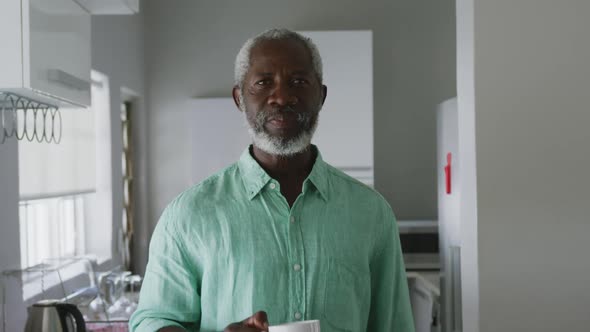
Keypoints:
(236, 94)
(324, 94)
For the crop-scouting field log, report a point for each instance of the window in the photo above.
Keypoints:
(65, 204)
(51, 228)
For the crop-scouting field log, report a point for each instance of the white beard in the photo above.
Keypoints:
(278, 147)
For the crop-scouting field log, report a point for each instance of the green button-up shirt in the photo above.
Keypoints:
(231, 246)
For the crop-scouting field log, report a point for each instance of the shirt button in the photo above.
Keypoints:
(298, 315)
(272, 186)
(292, 219)
(297, 267)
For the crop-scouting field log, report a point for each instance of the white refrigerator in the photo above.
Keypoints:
(448, 176)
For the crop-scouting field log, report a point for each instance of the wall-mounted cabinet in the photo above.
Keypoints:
(46, 51)
(345, 130)
(110, 7)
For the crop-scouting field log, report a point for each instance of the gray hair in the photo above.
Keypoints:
(243, 58)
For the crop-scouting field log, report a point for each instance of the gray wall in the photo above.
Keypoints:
(531, 85)
(117, 51)
(191, 45)
(9, 224)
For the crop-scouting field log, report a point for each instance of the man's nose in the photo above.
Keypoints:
(282, 95)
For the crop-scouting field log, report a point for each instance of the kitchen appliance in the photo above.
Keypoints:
(449, 218)
(54, 316)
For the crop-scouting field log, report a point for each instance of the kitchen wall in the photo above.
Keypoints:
(190, 49)
(117, 51)
(9, 225)
(526, 95)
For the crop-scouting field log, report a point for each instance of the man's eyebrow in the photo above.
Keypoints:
(302, 72)
(296, 72)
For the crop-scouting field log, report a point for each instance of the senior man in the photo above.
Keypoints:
(280, 235)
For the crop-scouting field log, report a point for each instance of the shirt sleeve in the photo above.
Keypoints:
(169, 293)
(390, 301)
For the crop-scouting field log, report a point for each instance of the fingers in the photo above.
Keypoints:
(259, 321)
(255, 323)
(240, 327)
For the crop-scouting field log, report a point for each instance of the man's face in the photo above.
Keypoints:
(282, 96)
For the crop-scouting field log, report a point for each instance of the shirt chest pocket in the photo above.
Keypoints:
(346, 298)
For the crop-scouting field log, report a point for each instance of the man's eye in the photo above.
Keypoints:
(299, 81)
(263, 82)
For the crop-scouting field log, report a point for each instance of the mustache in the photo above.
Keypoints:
(274, 113)
(260, 118)
(278, 111)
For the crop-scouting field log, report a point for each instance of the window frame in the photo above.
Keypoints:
(104, 259)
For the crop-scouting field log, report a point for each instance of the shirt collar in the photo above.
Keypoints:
(255, 177)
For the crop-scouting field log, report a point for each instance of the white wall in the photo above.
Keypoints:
(531, 79)
(190, 49)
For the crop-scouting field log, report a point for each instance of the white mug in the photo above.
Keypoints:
(305, 326)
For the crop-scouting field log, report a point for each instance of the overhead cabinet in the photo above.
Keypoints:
(110, 7)
(345, 131)
(46, 51)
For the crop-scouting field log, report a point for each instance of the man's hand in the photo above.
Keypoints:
(255, 323)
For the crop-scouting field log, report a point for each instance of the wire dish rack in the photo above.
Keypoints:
(27, 119)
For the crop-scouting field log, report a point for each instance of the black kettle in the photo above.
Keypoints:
(54, 316)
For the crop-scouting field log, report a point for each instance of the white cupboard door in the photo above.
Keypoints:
(345, 130)
(59, 49)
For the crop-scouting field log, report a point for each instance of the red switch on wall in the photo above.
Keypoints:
(448, 173)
